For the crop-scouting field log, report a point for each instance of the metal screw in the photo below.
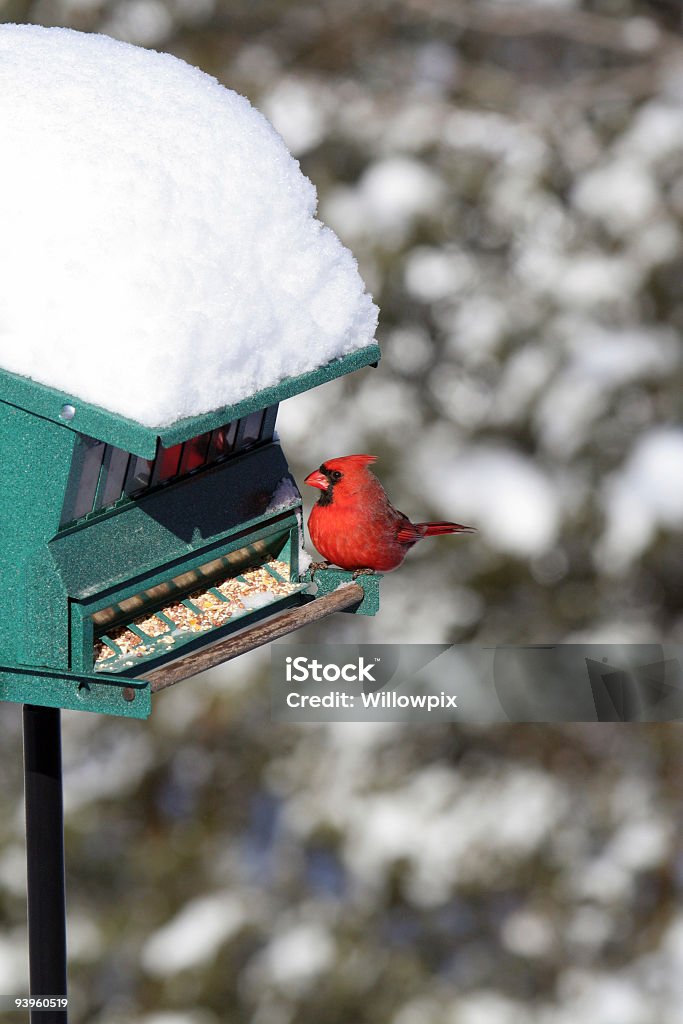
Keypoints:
(128, 693)
(67, 412)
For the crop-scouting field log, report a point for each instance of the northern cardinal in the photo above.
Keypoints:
(355, 526)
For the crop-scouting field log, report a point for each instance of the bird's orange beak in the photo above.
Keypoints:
(317, 479)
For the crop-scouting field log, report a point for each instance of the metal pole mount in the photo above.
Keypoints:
(45, 858)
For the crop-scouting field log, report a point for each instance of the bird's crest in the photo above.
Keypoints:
(351, 461)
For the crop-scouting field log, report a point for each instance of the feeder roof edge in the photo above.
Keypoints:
(122, 432)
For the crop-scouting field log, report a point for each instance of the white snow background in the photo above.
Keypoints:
(160, 255)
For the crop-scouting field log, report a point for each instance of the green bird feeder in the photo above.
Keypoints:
(125, 551)
(161, 257)
(132, 559)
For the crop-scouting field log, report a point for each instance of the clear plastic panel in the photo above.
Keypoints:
(113, 477)
(251, 433)
(88, 478)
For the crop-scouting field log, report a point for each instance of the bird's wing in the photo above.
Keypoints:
(407, 532)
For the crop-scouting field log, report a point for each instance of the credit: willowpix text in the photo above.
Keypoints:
(341, 699)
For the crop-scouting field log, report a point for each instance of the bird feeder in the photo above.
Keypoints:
(132, 559)
(165, 286)
(126, 550)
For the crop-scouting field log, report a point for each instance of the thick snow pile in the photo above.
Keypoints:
(159, 254)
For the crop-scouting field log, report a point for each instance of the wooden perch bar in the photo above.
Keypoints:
(263, 633)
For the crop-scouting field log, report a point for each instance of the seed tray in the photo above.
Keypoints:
(177, 623)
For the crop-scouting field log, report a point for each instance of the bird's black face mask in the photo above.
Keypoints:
(333, 477)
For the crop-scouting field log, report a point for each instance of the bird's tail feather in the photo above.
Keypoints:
(417, 530)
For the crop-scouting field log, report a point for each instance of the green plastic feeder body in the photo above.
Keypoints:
(110, 528)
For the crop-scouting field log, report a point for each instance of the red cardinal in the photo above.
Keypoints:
(355, 526)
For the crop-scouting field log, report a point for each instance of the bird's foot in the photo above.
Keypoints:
(314, 566)
(362, 572)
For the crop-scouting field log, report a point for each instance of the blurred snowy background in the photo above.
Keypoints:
(510, 177)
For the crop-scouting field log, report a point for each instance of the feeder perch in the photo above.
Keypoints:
(125, 549)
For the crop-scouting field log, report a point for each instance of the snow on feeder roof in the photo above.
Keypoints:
(160, 256)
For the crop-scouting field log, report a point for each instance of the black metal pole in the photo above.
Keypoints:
(45, 858)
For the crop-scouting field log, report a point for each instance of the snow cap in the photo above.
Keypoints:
(159, 251)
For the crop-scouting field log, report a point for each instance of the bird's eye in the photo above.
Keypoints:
(335, 475)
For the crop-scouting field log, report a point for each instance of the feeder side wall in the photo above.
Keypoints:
(35, 456)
